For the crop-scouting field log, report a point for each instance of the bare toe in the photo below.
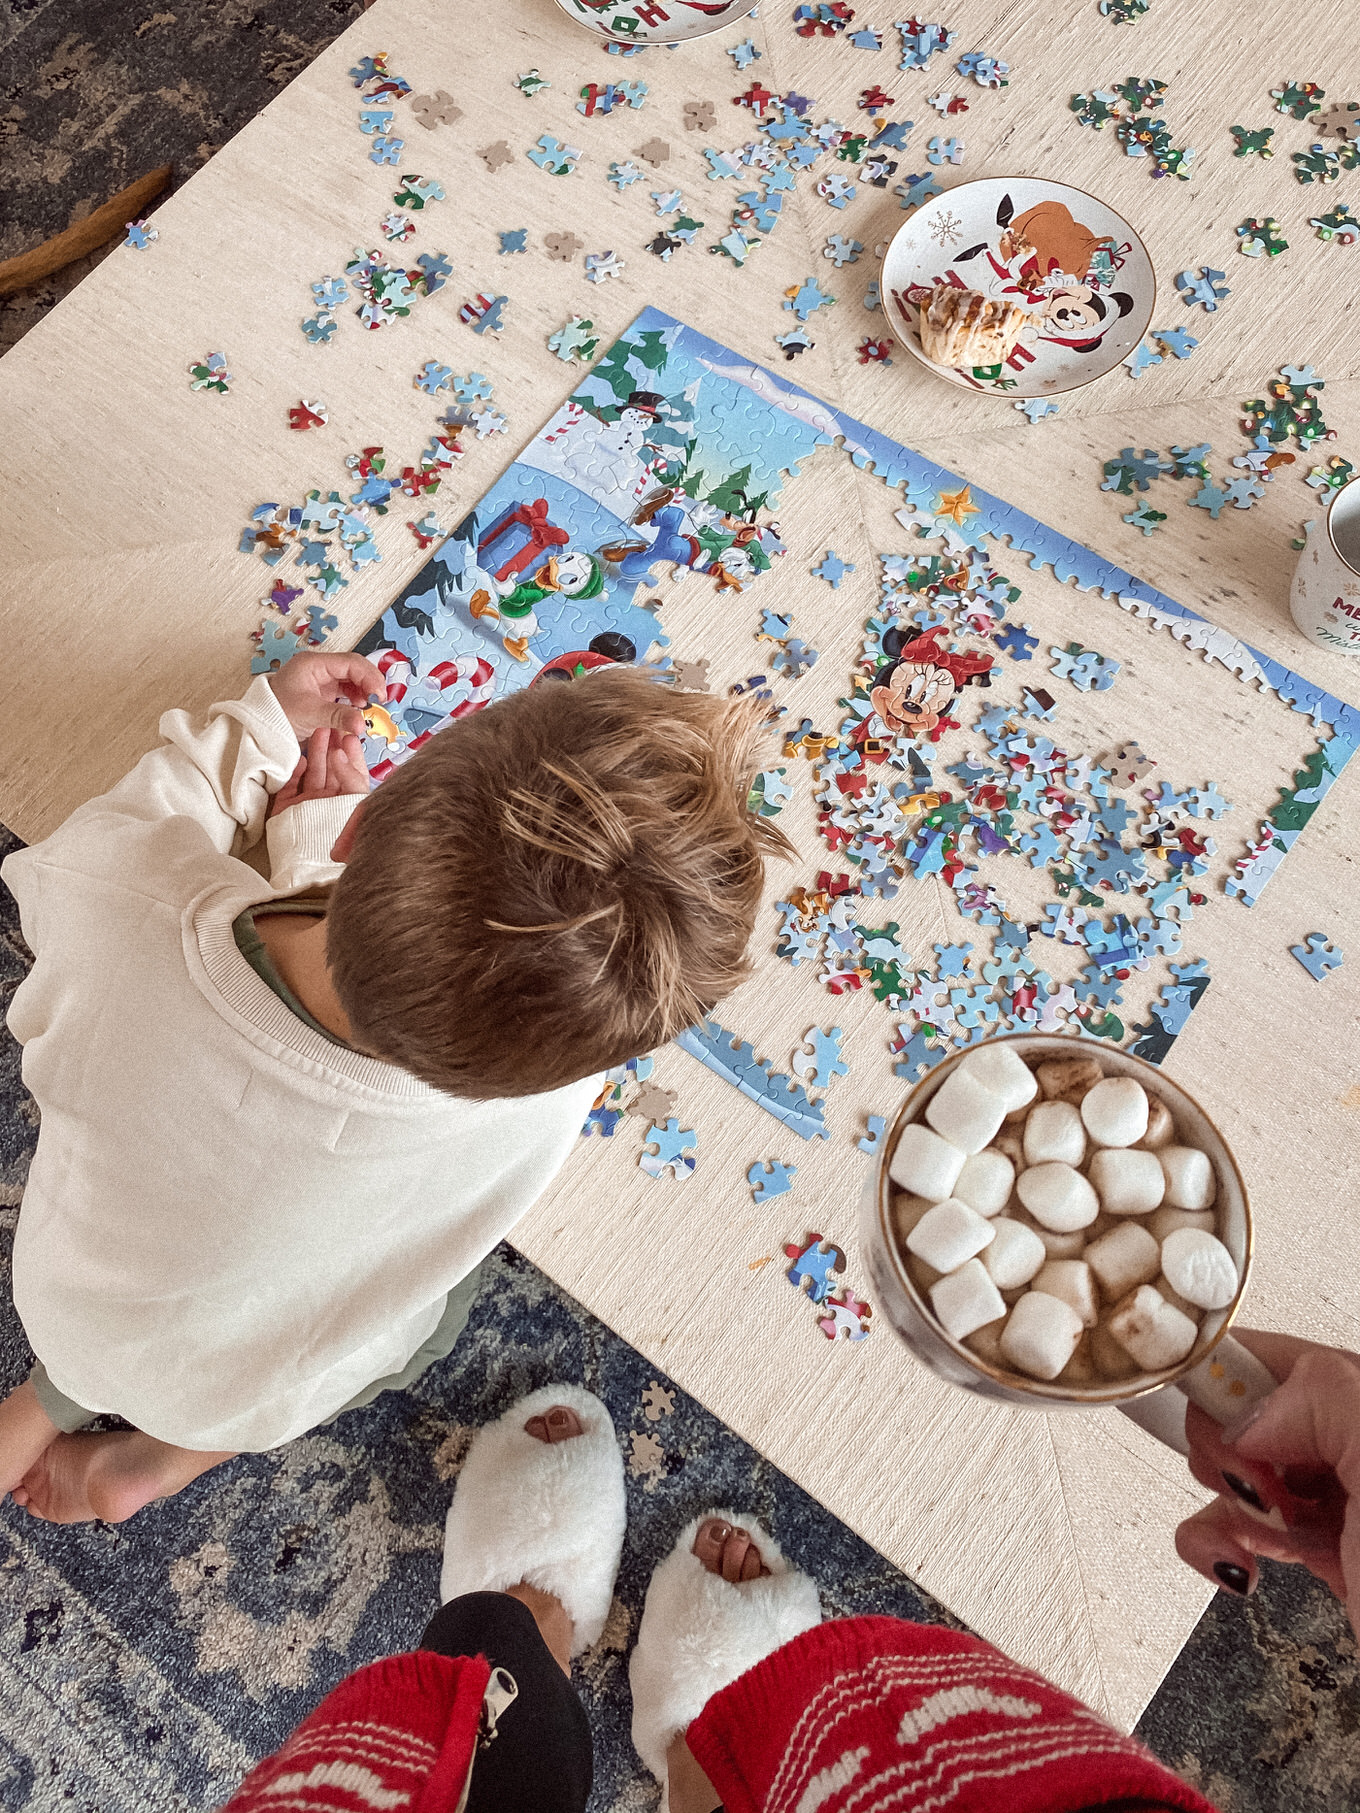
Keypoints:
(558, 1424)
(724, 1549)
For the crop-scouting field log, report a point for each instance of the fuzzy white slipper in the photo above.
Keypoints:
(549, 1513)
(699, 1632)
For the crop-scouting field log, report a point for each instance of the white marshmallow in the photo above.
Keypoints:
(1054, 1135)
(966, 1300)
(1166, 1221)
(986, 1181)
(925, 1164)
(1115, 1112)
(1001, 1069)
(1058, 1196)
(965, 1112)
(1123, 1259)
(1161, 1129)
(1190, 1180)
(949, 1234)
(1129, 1182)
(1041, 1335)
(1015, 1254)
(1152, 1330)
(1071, 1280)
(1199, 1268)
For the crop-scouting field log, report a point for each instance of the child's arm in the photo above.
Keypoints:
(219, 772)
(308, 814)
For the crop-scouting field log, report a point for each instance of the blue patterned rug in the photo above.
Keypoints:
(144, 1667)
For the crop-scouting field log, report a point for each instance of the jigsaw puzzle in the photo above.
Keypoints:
(671, 457)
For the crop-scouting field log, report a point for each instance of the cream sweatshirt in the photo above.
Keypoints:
(231, 1225)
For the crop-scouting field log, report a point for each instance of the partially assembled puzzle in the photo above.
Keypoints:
(1015, 770)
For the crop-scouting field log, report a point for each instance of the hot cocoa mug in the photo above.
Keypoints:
(1325, 599)
(1218, 1374)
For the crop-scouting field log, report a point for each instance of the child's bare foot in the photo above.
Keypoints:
(107, 1477)
(26, 1431)
(557, 1424)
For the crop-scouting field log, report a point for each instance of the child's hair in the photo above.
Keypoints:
(553, 885)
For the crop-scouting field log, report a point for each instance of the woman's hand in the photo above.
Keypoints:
(1308, 1432)
(320, 691)
(330, 764)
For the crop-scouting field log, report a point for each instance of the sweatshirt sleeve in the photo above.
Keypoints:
(220, 772)
(300, 839)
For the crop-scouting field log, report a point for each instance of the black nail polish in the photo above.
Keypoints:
(1235, 1578)
(1247, 1493)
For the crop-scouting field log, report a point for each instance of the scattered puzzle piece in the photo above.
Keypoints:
(770, 1178)
(1261, 237)
(437, 109)
(211, 373)
(1249, 143)
(819, 1067)
(551, 155)
(674, 1151)
(814, 1263)
(833, 569)
(1317, 955)
(1207, 288)
(872, 1141)
(848, 1316)
(646, 1457)
(657, 1402)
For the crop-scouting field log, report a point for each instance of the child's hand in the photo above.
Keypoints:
(330, 764)
(323, 691)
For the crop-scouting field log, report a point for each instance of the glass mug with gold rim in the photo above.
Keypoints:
(1218, 1374)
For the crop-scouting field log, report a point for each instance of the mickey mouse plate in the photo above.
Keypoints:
(1072, 263)
(655, 21)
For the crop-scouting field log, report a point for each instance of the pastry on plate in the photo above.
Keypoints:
(962, 328)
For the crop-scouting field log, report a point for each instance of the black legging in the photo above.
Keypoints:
(540, 1760)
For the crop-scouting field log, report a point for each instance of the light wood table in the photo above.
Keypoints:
(125, 493)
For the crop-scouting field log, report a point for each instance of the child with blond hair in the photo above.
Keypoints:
(286, 1114)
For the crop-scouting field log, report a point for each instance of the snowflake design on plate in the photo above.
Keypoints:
(946, 228)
